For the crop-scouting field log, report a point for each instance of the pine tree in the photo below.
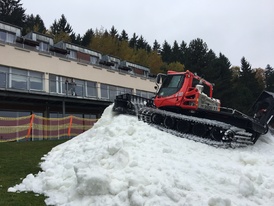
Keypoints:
(269, 78)
(76, 39)
(133, 41)
(34, 23)
(166, 53)
(113, 32)
(87, 37)
(246, 70)
(123, 36)
(220, 74)
(248, 76)
(141, 43)
(61, 26)
(176, 52)
(11, 11)
(246, 88)
(197, 56)
(183, 51)
(156, 46)
(62, 30)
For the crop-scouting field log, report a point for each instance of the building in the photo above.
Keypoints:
(57, 80)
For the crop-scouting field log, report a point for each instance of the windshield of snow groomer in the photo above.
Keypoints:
(171, 85)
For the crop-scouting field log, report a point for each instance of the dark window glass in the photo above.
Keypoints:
(3, 36)
(52, 83)
(19, 79)
(112, 92)
(79, 90)
(3, 78)
(104, 91)
(91, 89)
(171, 85)
(4, 74)
(36, 80)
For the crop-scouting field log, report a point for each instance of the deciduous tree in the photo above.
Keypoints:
(176, 66)
(155, 62)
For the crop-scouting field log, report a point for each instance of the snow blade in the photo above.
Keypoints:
(130, 104)
(263, 108)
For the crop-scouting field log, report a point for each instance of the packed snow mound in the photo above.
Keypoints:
(123, 161)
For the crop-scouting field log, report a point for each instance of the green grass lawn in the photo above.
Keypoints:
(17, 160)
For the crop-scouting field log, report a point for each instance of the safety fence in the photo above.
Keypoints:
(33, 127)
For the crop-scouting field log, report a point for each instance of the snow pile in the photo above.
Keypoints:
(123, 161)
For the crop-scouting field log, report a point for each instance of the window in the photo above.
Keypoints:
(57, 84)
(7, 37)
(3, 36)
(36, 80)
(90, 116)
(43, 47)
(150, 95)
(4, 76)
(6, 113)
(10, 38)
(71, 86)
(115, 65)
(110, 92)
(104, 91)
(127, 90)
(145, 94)
(61, 83)
(79, 89)
(52, 83)
(138, 93)
(19, 79)
(120, 90)
(171, 85)
(72, 54)
(55, 115)
(93, 59)
(91, 89)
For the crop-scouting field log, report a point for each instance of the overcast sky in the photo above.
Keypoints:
(235, 28)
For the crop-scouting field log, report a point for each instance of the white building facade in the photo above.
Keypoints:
(54, 80)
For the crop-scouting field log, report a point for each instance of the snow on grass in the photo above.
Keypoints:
(123, 161)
